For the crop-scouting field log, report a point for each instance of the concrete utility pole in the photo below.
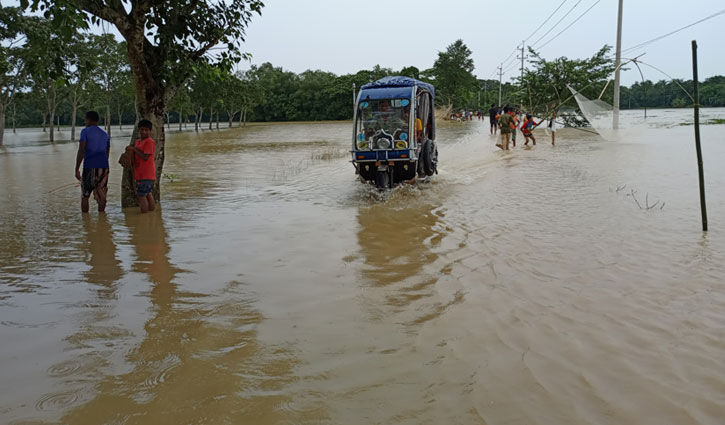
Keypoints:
(617, 64)
(522, 73)
(500, 81)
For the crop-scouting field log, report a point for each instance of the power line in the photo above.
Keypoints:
(557, 23)
(673, 32)
(547, 20)
(568, 26)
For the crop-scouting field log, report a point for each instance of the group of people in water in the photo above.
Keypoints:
(94, 150)
(509, 120)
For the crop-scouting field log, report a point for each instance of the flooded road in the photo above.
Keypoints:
(522, 287)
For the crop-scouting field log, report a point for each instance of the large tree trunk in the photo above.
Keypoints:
(231, 118)
(151, 104)
(211, 117)
(180, 114)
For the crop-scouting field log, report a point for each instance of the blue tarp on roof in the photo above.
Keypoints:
(393, 87)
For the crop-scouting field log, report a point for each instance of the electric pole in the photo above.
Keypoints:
(522, 74)
(617, 64)
(500, 82)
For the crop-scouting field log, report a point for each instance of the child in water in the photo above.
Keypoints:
(526, 128)
(144, 166)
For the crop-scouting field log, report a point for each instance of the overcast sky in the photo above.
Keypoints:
(344, 36)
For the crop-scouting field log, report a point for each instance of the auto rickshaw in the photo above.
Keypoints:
(394, 132)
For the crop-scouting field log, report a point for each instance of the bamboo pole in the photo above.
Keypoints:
(703, 207)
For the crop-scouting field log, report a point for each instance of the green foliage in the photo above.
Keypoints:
(177, 35)
(452, 75)
(545, 84)
(669, 94)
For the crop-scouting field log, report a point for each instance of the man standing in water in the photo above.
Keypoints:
(505, 121)
(144, 166)
(492, 117)
(93, 151)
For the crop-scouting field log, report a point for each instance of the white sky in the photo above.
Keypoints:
(344, 36)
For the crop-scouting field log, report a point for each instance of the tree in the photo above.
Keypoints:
(12, 64)
(410, 71)
(46, 56)
(181, 102)
(547, 81)
(452, 75)
(80, 64)
(232, 96)
(165, 40)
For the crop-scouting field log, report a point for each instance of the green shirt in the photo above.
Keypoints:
(505, 121)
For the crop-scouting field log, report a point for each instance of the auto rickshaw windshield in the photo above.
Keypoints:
(389, 115)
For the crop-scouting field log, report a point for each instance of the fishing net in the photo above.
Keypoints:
(599, 114)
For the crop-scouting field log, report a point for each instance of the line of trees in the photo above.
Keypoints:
(175, 62)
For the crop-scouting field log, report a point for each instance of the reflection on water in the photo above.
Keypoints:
(515, 287)
(100, 253)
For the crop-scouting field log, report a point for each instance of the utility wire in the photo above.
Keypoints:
(568, 26)
(547, 20)
(673, 32)
(557, 23)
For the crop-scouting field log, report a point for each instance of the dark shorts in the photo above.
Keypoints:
(494, 122)
(144, 187)
(95, 181)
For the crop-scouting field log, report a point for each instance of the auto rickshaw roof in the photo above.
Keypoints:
(392, 87)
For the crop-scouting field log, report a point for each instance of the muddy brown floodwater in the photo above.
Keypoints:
(273, 288)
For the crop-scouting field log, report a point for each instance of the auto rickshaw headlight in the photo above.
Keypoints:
(383, 143)
(400, 144)
(363, 145)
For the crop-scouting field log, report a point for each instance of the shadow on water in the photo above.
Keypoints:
(199, 360)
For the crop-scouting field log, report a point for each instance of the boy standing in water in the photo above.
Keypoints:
(527, 127)
(93, 151)
(144, 166)
(505, 122)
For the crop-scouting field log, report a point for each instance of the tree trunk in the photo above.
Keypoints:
(2, 122)
(180, 114)
(211, 117)
(73, 118)
(45, 117)
(108, 118)
(217, 120)
(51, 120)
(14, 130)
(168, 121)
(120, 118)
(241, 115)
(151, 103)
(231, 118)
